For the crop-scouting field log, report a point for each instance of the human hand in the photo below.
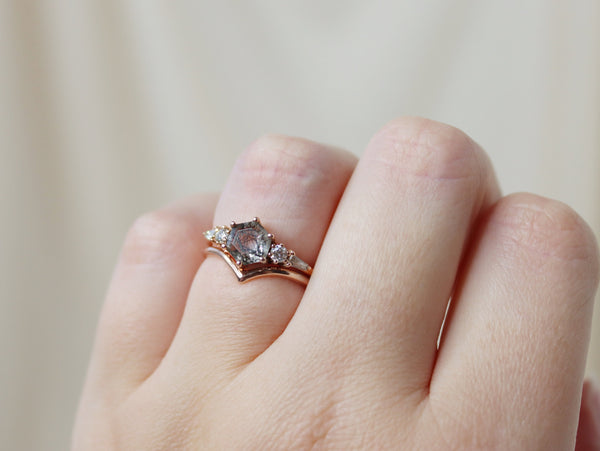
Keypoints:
(187, 358)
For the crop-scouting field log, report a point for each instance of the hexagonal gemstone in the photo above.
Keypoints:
(248, 243)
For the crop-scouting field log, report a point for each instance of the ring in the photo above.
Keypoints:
(252, 252)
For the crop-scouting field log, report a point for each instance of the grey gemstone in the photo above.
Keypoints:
(248, 243)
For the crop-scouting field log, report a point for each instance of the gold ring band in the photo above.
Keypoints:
(251, 251)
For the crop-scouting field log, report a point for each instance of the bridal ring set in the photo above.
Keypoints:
(251, 252)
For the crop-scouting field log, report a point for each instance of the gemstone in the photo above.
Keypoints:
(221, 235)
(248, 243)
(278, 254)
(210, 234)
(297, 263)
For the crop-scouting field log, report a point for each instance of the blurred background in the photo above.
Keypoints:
(109, 109)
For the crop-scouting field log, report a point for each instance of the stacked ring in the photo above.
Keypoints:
(252, 252)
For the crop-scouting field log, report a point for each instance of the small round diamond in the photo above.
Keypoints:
(221, 235)
(279, 254)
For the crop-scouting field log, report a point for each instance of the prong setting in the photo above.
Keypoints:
(253, 251)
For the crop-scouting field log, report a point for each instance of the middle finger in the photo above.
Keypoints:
(386, 269)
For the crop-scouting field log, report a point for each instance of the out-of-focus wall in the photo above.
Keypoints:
(108, 109)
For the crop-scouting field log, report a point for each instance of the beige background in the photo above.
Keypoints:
(108, 109)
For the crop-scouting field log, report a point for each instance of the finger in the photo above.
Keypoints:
(148, 291)
(516, 342)
(588, 429)
(387, 267)
(293, 186)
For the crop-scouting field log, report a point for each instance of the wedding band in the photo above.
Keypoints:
(252, 252)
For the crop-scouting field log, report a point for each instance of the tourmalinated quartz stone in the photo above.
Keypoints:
(278, 254)
(248, 243)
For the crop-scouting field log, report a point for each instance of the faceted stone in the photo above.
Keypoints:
(221, 235)
(210, 234)
(279, 254)
(297, 263)
(248, 243)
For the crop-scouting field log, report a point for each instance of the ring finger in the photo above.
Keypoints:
(293, 186)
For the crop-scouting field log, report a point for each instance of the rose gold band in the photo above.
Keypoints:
(251, 252)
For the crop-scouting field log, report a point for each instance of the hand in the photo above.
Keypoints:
(188, 358)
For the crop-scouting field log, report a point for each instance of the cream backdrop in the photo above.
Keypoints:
(109, 109)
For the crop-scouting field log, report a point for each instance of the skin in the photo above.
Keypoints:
(187, 358)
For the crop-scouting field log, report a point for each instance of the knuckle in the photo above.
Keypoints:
(427, 149)
(282, 160)
(158, 236)
(550, 229)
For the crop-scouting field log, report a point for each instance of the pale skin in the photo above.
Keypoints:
(186, 357)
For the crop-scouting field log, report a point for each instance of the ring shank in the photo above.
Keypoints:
(299, 272)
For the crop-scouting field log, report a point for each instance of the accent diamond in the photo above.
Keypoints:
(210, 234)
(279, 254)
(297, 263)
(221, 235)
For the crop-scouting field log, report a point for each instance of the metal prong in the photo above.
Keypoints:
(238, 262)
(270, 235)
(255, 219)
(232, 223)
